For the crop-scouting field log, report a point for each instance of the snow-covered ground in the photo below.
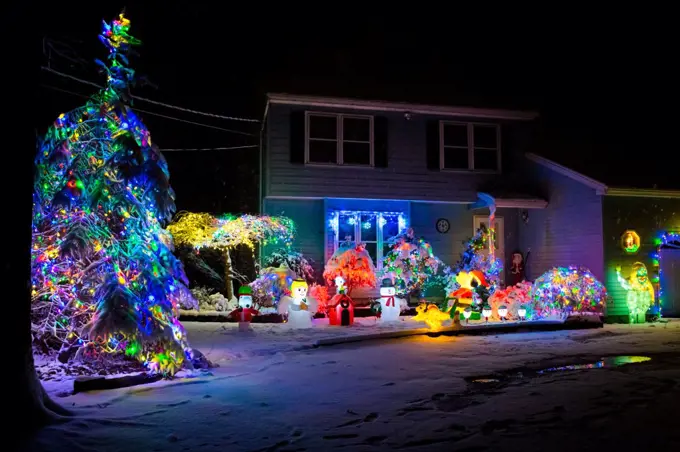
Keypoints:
(273, 392)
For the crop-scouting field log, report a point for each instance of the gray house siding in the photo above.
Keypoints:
(406, 176)
(568, 231)
(308, 216)
(449, 246)
(649, 217)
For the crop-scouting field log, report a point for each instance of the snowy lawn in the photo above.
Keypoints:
(273, 392)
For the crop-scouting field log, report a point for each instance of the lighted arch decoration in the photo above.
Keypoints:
(630, 242)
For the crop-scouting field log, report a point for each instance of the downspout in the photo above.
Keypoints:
(260, 206)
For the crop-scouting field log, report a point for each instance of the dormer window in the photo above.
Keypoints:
(339, 139)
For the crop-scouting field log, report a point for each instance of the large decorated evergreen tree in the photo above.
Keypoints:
(104, 278)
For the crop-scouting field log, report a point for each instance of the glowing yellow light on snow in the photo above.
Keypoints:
(431, 315)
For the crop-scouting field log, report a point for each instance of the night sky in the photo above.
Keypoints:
(603, 89)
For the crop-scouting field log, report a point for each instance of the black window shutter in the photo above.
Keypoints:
(433, 145)
(380, 141)
(297, 137)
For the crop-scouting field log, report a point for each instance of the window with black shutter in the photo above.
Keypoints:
(339, 139)
(469, 146)
(380, 141)
(297, 137)
(433, 143)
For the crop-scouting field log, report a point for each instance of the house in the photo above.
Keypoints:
(617, 224)
(359, 170)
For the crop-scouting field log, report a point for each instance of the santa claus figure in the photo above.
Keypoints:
(517, 273)
(245, 311)
(390, 305)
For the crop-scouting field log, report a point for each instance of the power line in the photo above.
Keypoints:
(250, 146)
(160, 115)
(194, 123)
(196, 112)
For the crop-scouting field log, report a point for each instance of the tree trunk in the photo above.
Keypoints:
(31, 407)
(228, 280)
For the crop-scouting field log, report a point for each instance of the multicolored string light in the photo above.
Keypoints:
(475, 257)
(202, 230)
(569, 290)
(666, 240)
(410, 262)
(354, 264)
(104, 277)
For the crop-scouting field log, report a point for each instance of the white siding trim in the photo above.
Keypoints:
(400, 107)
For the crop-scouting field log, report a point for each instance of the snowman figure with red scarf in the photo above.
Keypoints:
(390, 305)
(245, 311)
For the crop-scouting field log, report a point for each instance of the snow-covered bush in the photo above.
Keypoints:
(208, 301)
(410, 262)
(202, 296)
(295, 260)
(354, 264)
(320, 293)
(513, 297)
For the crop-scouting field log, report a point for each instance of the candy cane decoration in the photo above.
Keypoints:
(492, 230)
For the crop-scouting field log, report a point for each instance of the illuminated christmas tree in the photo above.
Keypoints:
(103, 273)
(410, 262)
(475, 257)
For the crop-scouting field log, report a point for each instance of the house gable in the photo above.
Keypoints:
(599, 187)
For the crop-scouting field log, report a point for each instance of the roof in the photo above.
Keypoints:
(401, 107)
(602, 188)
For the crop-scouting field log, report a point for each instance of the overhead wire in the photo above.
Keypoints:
(163, 104)
(160, 115)
(228, 148)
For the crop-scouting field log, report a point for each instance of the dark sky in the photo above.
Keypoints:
(604, 86)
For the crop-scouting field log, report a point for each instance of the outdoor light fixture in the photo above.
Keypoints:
(467, 313)
(486, 312)
(503, 311)
(522, 312)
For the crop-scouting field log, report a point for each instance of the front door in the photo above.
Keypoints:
(480, 220)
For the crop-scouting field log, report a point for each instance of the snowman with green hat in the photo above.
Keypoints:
(390, 305)
(245, 312)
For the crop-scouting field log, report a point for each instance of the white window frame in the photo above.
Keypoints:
(339, 139)
(470, 146)
(380, 239)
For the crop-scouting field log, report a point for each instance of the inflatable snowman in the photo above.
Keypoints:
(245, 311)
(390, 305)
(299, 315)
